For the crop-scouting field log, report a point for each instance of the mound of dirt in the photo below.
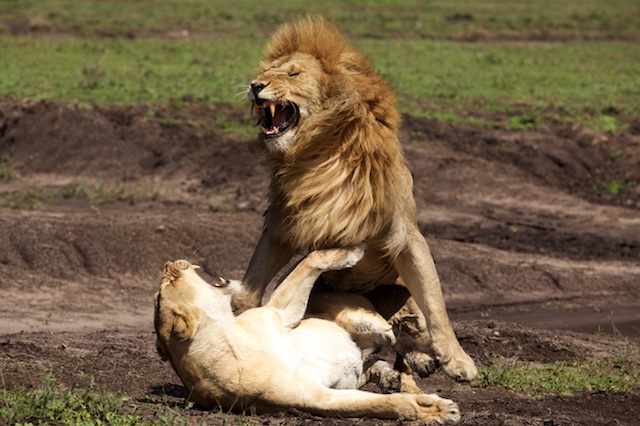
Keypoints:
(526, 230)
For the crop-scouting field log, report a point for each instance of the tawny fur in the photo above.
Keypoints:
(346, 160)
(271, 358)
(340, 177)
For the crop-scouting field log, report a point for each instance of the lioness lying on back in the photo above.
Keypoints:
(272, 358)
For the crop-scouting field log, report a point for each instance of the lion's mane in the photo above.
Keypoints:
(337, 184)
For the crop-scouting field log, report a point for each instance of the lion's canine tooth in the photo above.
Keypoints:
(272, 107)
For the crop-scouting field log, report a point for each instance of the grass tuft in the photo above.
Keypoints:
(52, 404)
(205, 52)
(97, 194)
(7, 169)
(562, 378)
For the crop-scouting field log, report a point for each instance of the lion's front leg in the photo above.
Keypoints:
(268, 258)
(418, 270)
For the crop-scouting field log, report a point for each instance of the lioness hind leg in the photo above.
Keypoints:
(428, 409)
(355, 314)
(436, 410)
(412, 336)
(413, 339)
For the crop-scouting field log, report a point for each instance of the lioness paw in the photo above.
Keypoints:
(334, 259)
(434, 410)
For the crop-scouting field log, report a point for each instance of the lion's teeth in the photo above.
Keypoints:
(272, 108)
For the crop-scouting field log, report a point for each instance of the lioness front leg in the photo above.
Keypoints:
(415, 265)
(268, 258)
(292, 295)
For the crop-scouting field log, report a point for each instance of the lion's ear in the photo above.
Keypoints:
(185, 324)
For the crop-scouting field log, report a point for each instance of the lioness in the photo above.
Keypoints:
(270, 358)
(329, 127)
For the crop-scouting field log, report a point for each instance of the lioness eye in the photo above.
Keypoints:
(293, 73)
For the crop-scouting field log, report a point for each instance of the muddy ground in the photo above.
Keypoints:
(539, 259)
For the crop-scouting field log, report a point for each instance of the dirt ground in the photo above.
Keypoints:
(538, 260)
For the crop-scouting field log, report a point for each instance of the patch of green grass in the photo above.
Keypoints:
(437, 19)
(562, 378)
(7, 169)
(416, 45)
(102, 193)
(229, 125)
(21, 200)
(617, 186)
(52, 404)
(606, 123)
(126, 72)
(577, 80)
(430, 77)
(616, 154)
(74, 190)
(522, 122)
(97, 194)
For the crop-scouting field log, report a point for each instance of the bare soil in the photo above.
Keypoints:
(538, 260)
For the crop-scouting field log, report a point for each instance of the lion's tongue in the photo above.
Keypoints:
(280, 117)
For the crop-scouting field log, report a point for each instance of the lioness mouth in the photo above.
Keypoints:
(278, 117)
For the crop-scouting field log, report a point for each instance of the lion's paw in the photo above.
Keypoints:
(421, 363)
(461, 368)
(434, 410)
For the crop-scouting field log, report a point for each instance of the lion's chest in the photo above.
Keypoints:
(328, 222)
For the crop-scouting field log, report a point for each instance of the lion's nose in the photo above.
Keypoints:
(256, 88)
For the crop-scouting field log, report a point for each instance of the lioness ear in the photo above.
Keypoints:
(161, 351)
(185, 324)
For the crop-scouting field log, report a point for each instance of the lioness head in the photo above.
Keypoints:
(313, 84)
(183, 301)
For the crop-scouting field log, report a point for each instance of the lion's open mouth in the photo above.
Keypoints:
(278, 117)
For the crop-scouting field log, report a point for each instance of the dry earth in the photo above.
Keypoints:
(538, 261)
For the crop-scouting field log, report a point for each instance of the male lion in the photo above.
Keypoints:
(270, 358)
(329, 127)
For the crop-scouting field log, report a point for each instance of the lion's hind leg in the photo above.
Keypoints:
(357, 315)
